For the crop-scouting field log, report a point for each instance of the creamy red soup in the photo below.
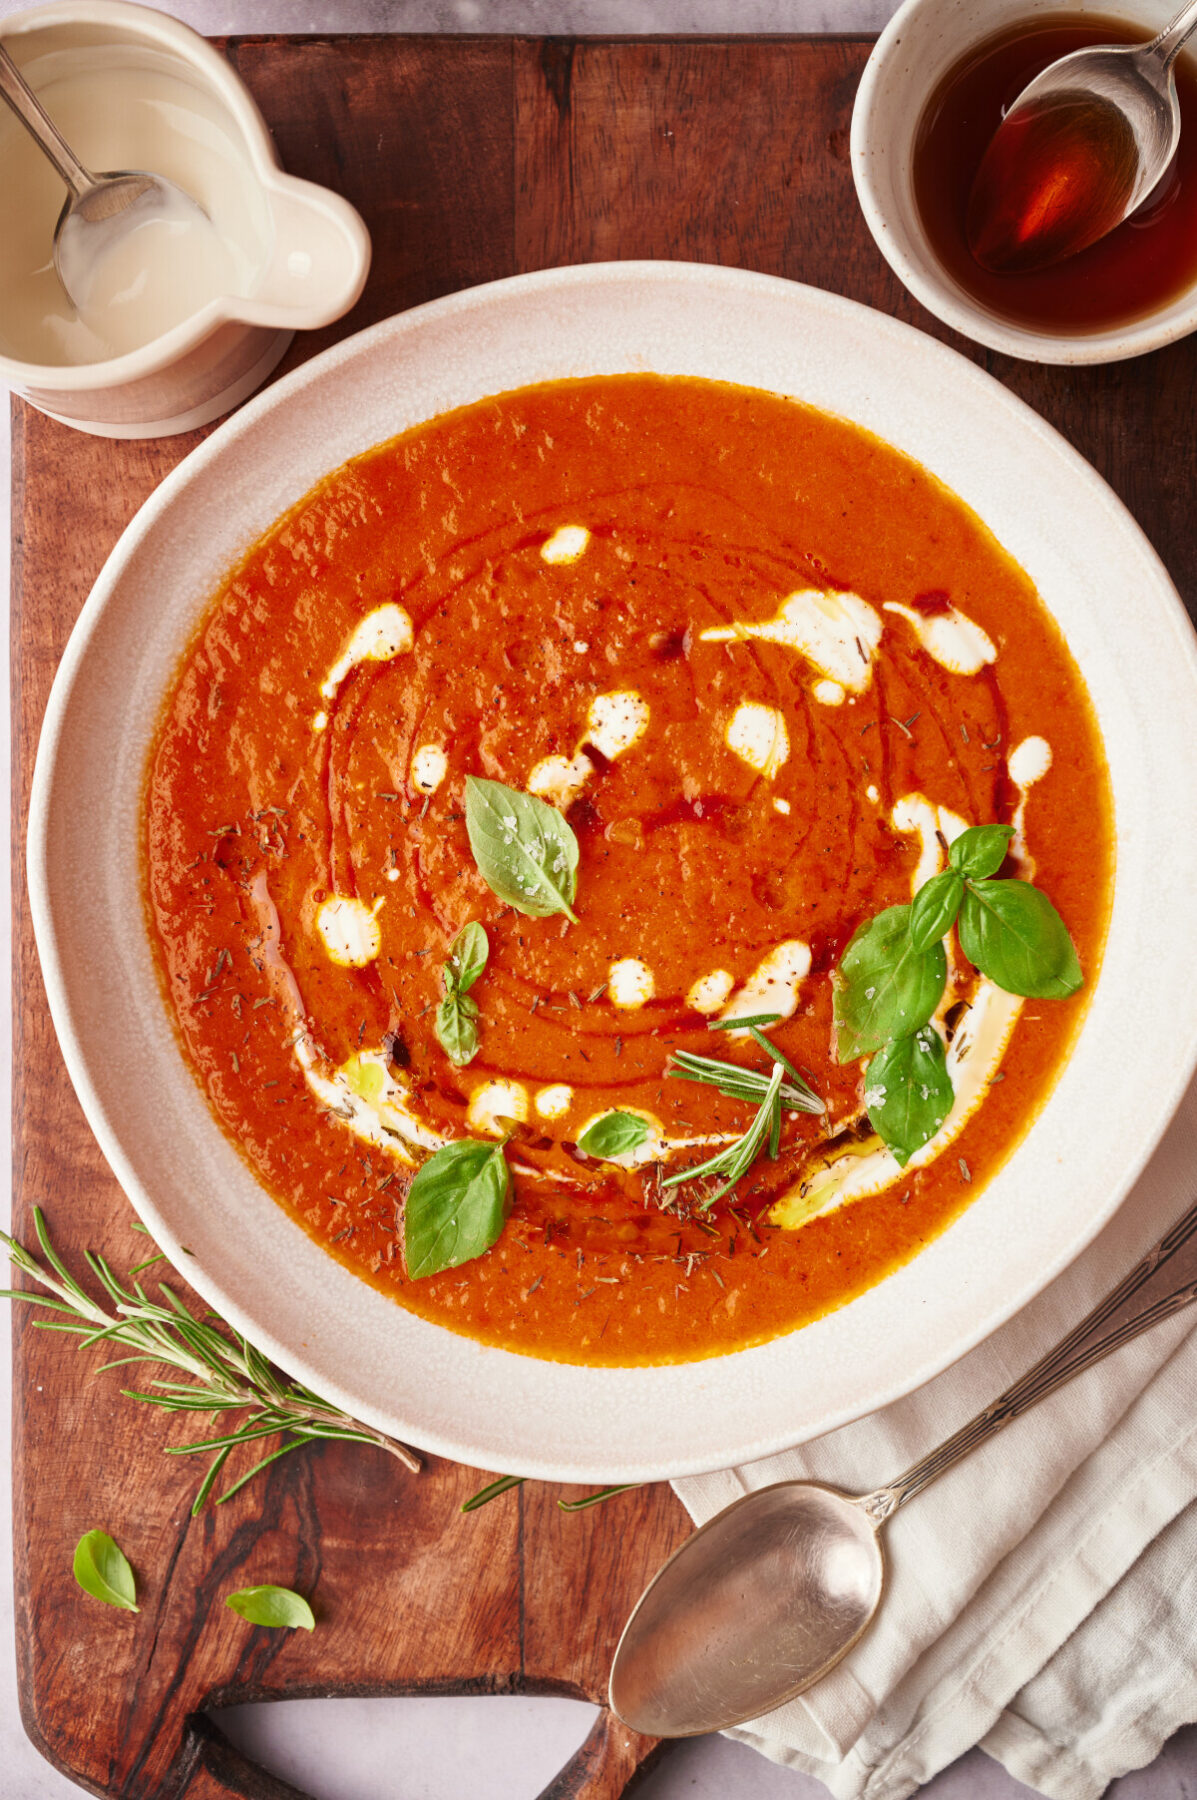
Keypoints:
(766, 668)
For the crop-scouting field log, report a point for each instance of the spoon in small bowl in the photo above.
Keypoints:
(100, 209)
(775, 1590)
(1081, 148)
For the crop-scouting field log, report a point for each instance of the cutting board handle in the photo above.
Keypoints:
(608, 1763)
(606, 1766)
(216, 1770)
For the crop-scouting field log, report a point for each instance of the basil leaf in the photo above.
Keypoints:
(526, 852)
(981, 850)
(102, 1570)
(467, 956)
(614, 1135)
(456, 1031)
(1014, 934)
(933, 911)
(908, 1092)
(273, 1606)
(884, 987)
(456, 1206)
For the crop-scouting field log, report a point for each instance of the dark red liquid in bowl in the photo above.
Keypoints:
(1146, 262)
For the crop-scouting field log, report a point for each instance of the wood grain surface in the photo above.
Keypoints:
(470, 159)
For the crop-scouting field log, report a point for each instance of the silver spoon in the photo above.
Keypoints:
(99, 208)
(1080, 149)
(775, 1590)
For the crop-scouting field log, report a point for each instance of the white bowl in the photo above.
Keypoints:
(489, 1407)
(314, 249)
(915, 51)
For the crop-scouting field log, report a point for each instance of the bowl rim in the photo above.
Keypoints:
(739, 285)
(147, 25)
(937, 292)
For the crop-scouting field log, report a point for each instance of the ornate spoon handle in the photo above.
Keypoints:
(1163, 1283)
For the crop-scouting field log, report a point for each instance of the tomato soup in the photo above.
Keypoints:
(766, 669)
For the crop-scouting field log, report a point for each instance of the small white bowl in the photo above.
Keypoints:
(922, 41)
(311, 247)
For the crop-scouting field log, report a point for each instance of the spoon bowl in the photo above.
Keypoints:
(1081, 148)
(750, 1611)
(774, 1591)
(94, 224)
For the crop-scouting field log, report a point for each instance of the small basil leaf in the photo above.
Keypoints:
(908, 1092)
(981, 850)
(274, 1606)
(102, 1570)
(456, 1031)
(525, 850)
(933, 911)
(456, 1206)
(467, 957)
(1013, 934)
(884, 987)
(614, 1135)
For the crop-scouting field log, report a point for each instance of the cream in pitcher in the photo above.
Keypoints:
(185, 314)
(161, 272)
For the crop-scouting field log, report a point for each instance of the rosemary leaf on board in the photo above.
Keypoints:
(597, 1498)
(492, 1491)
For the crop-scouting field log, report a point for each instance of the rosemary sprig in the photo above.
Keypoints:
(224, 1374)
(736, 1159)
(739, 1083)
(807, 1100)
(769, 1093)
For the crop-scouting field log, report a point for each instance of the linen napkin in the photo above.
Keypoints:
(1042, 1600)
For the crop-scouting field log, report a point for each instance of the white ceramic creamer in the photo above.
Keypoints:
(184, 318)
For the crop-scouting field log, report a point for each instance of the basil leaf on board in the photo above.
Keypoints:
(456, 1031)
(614, 1135)
(525, 850)
(468, 954)
(102, 1570)
(273, 1606)
(1012, 933)
(884, 987)
(981, 850)
(456, 1206)
(934, 908)
(908, 1092)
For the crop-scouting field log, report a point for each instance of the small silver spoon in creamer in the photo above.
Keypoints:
(99, 209)
(770, 1594)
(1080, 149)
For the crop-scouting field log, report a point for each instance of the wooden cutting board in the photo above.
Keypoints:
(470, 158)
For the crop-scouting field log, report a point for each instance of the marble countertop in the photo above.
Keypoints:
(497, 1748)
